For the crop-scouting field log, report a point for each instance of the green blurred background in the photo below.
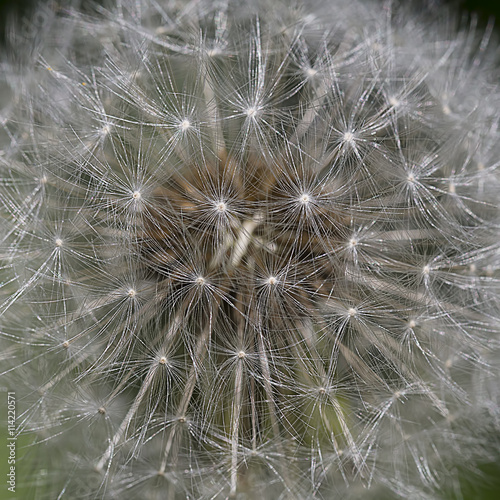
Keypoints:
(486, 488)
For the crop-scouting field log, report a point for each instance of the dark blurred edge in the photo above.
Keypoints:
(13, 7)
(484, 8)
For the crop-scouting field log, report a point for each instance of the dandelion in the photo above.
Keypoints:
(251, 250)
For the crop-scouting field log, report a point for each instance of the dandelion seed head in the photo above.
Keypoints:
(106, 130)
(261, 244)
(185, 125)
(349, 137)
(393, 101)
(221, 206)
(305, 199)
(251, 112)
(311, 72)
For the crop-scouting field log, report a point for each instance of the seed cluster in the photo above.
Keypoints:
(251, 252)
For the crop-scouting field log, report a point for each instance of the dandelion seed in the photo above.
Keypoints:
(305, 199)
(221, 206)
(311, 72)
(106, 130)
(394, 102)
(185, 125)
(349, 137)
(251, 112)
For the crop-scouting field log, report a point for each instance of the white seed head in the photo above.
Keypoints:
(105, 130)
(305, 199)
(311, 72)
(251, 112)
(160, 163)
(185, 125)
(221, 206)
(393, 101)
(348, 137)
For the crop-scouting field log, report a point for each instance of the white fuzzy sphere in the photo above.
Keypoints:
(250, 249)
